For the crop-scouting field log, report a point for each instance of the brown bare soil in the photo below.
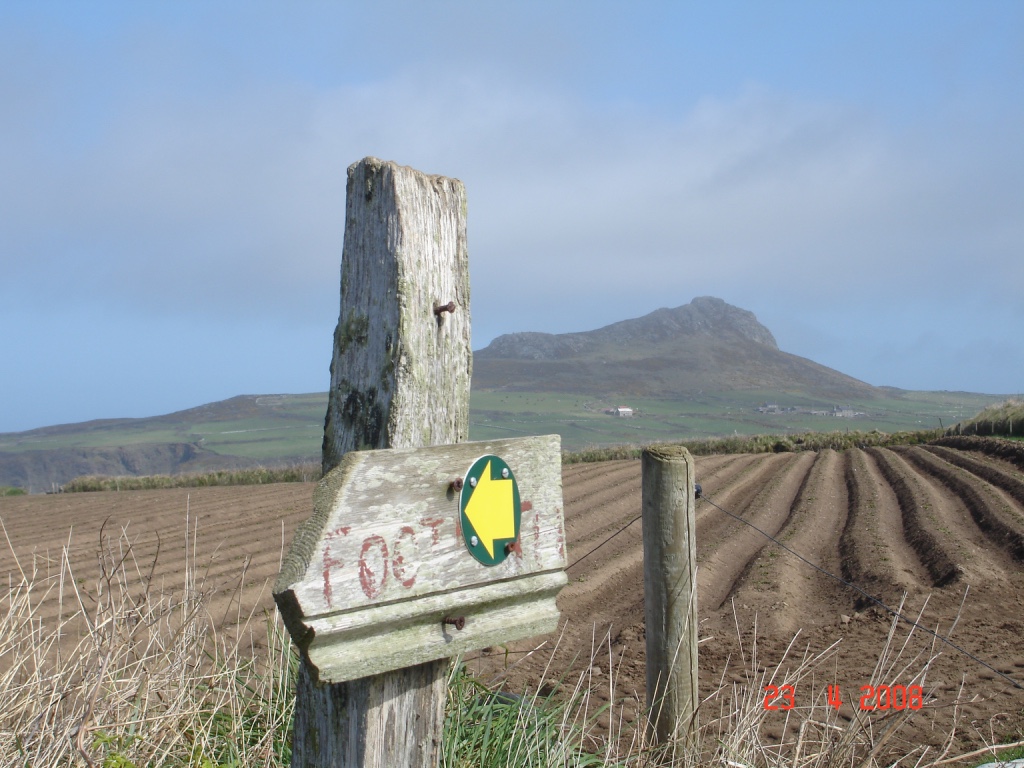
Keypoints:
(938, 528)
(943, 527)
(235, 538)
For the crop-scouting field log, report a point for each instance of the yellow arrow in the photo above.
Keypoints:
(491, 510)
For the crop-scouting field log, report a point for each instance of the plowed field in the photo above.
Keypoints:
(942, 526)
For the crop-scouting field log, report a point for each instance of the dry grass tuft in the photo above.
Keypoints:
(123, 672)
(735, 729)
(806, 441)
(296, 473)
(1004, 419)
(815, 734)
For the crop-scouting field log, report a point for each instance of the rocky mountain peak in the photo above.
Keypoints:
(705, 316)
(714, 317)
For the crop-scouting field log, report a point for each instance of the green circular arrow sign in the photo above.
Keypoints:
(490, 510)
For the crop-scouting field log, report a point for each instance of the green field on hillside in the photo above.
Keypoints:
(583, 422)
(275, 427)
(266, 428)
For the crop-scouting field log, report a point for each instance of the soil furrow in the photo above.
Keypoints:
(1011, 451)
(874, 554)
(603, 524)
(607, 485)
(585, 470)
(1000, 530)
(713, 476)
(768, 501)
(946, 515)
(805, 595)
(1014, 486)
(733, 489)
(153, 524)
(592, 517)
(867, 506)
(617, 567)
(936, 559)
(620, 574)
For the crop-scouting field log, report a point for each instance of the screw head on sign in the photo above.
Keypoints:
(474, 540)
(504, 473)
(472, 481)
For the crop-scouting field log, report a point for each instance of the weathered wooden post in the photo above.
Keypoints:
(402, 359)
(670, 591)
(413, 554)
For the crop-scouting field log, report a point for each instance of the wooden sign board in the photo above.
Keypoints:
(385, 560)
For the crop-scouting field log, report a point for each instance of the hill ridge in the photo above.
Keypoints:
(705, 315)
(707, 362)
(707, 344)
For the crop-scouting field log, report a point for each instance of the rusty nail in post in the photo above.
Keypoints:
(449, 307)
(513, 546)
(456, 484)
(454, 621)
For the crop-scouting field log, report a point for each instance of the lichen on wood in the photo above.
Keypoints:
(385, 560)
(400, 373)
(400, 378)
(670, 591)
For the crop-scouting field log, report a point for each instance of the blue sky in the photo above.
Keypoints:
(172, 181)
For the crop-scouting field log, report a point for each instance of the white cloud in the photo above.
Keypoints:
(229, 202)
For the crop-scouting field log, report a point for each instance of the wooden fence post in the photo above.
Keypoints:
(670, 591)
(400, 378)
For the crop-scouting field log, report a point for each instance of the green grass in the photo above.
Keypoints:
(288, 429)
(7, 490)
(490, 727)
(1002, 755)
(274, 429)
(1004, 419)
(263, 428)
(1017, 753)
(582, 421)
